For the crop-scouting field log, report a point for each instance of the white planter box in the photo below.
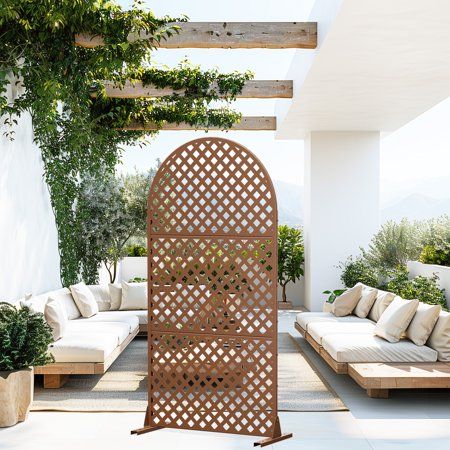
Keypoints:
(417, 268)
(132, 267)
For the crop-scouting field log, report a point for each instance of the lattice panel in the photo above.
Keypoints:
(212, 329)
(213, 285)
(212, 186)
(210, 383)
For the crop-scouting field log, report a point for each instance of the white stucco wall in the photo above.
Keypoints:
(29, 259)
(341, 204)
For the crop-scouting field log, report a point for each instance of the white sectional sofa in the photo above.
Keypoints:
(89, 345)
(349, 345)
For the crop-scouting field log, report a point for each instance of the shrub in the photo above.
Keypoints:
(421, 288)
(136, 250)
(358, 270)
(24, 338)
(436, 240)
(394, 245)
(290, 256)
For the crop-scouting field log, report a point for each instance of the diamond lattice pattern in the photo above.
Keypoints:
(212, 291)
(212, 186)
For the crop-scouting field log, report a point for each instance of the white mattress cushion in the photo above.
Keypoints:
(369, 348)
(141, 315)
(317, 330)
(306, 318)
(126, 317)
(120, 330)
(80, 347)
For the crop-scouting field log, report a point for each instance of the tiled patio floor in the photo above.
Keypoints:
(408, 420)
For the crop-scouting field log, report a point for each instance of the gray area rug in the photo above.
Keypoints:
(124, 386)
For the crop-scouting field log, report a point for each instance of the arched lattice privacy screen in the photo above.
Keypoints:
(212, 268)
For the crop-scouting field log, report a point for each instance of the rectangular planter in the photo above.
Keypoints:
(417, 268)
(132, 267)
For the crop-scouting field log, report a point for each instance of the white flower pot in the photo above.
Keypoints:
(16, 395)
(417, 268)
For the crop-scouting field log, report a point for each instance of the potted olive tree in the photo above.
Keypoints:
(290, 259)
(24, 340)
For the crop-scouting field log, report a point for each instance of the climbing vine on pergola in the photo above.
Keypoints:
(77, 128)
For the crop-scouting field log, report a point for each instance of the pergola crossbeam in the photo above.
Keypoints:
(251, 89)
(273, 35)
(247, 123)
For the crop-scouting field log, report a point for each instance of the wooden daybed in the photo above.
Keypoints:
(378, 378)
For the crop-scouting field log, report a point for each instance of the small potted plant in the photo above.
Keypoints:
(290, 259)
(24, 340)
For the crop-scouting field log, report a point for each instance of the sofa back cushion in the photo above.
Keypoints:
(439, 339)
(101, 295)
(134, 296)
(383, 300)
(56, 316)
(423, 322)
(396, 318)
(84, 299)
(345, 303)
(115, 293)
(368, 297)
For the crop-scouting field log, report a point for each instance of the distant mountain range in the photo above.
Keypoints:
(415, 200)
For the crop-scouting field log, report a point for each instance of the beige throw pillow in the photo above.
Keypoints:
(368, 297)
(56, 316)
(84, 299)
(134, 296)
(423, 322)
(440, 337)
(115, 292)
(66, 299)
(382, 301)
(345, 303)
(101, 295)
(396, 318)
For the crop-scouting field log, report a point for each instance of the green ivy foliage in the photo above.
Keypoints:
(24, 338)
(81, 136)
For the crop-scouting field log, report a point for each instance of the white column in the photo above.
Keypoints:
(342, 176)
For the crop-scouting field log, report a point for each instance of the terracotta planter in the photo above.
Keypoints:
(16, 395)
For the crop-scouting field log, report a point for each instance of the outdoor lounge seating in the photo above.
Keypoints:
(89, 345)
(349, 345)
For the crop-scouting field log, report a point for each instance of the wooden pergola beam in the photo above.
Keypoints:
(273, 35)
(247, 123)
(251, 89)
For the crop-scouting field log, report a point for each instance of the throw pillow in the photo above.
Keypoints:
(115, 292)
(134, 296)
(56, 316)
(101, 295)
(396, 318)
(382, 301)
(84, 299)
(368, 297)
(66, 299)
(440, 337)
(346, 302)
(423, 322)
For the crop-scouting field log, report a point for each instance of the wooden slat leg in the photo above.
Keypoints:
(276, 436)
(378, 393)
(54, 381)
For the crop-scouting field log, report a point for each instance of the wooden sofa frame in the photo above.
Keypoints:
(56, 374)
(378, 378)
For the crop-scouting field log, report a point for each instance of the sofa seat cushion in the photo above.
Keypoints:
(306, 318)
(318, 330)
(127, 317)
(84, 347)
(141, 315)
(120, 330)
(369, 348)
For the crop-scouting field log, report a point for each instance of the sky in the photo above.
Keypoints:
(418, 151)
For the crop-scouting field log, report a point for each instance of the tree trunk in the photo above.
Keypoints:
(114, 271)
(284, 292)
